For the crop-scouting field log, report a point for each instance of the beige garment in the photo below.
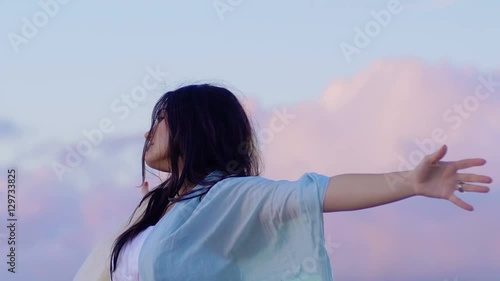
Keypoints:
(96, 266)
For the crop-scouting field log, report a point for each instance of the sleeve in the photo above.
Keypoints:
(95, 265)
(284, 200)
(285, 238)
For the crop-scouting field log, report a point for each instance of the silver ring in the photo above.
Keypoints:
(460, 186)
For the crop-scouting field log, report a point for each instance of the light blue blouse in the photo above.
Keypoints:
(244, 229)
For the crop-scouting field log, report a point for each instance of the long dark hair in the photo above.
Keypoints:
(210, 130)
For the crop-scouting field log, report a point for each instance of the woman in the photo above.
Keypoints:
(215, 218)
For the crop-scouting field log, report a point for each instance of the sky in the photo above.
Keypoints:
(370, 86)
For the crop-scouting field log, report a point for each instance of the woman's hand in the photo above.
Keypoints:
(438, 179)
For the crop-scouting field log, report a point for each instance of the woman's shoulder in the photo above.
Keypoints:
(262, 184)
(244, 187)
(241, 183)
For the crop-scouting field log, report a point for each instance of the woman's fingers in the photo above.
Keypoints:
(474, 178)
(475, 188)
(460, 203)
(467, 163)
(468, 178)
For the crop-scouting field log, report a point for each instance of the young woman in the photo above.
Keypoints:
(216, 219)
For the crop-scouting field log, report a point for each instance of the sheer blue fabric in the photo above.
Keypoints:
(245, 228)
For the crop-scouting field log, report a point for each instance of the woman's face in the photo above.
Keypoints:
(156, 154)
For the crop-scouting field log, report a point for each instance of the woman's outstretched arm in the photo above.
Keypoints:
(348, 192)
(431, 178)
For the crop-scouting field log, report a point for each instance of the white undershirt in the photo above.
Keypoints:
(127, 268)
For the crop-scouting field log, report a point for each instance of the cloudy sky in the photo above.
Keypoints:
(371, 85)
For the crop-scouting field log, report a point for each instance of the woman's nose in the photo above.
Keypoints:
(146, 135)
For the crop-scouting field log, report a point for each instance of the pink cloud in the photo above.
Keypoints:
(365, 124)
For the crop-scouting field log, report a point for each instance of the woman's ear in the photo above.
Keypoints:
(145, 188)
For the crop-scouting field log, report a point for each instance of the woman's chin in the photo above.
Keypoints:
(156, 165)
(150, 163)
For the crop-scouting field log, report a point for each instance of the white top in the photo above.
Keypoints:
(127, 268)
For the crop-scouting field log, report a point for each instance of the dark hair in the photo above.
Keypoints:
(210, 130)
